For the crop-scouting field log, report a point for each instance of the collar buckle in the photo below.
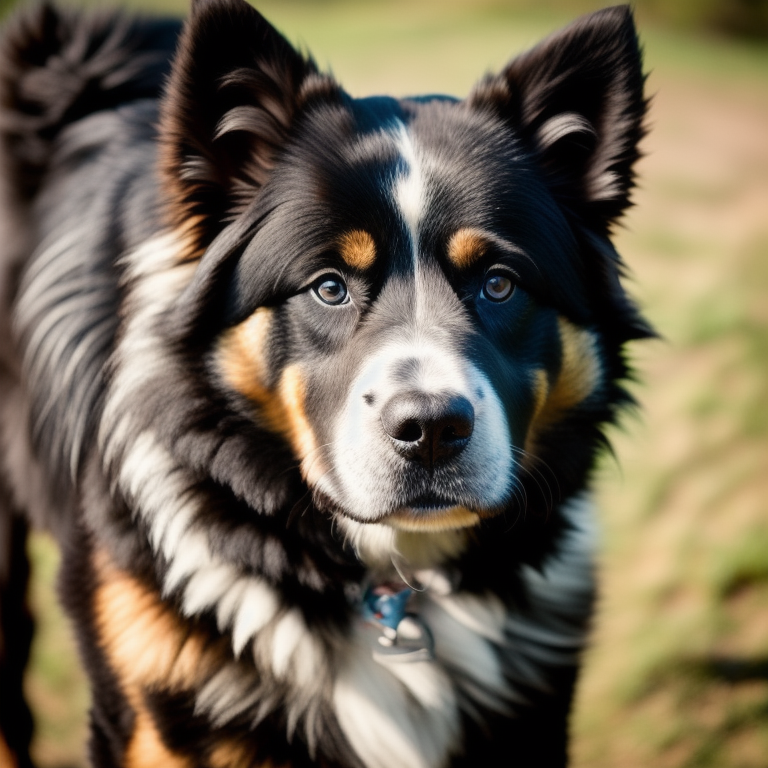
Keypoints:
(398, 635)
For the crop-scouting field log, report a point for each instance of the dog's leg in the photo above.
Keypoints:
(15, 636)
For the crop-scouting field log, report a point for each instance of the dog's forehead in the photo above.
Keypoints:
(455, 183)
(395, 179)
(436, 160)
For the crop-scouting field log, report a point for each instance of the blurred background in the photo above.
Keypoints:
(677, 673)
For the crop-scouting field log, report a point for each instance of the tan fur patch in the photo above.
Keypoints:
(242, 359)
(466, 246)
(235, 755)
(358, 249)
(189, 236)
(230, 755)
(7, 759)
(280, 409)
(579, 377)
(540, 393)
(580, 369)
(146, 748)
(293, 394)
(147, 646)
(243, 354)
(457, 517)
(146, 643)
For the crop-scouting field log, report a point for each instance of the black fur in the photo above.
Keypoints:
(175, 396)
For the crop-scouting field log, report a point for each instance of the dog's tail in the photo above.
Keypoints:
(59, 65)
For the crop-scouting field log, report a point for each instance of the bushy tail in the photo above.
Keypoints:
(57, 66)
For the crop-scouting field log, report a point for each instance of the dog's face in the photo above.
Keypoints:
(418, 296)
(400, 338)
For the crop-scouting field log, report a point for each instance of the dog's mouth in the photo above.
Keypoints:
(423, 512)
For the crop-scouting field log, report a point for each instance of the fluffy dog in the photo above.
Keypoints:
(309, 388)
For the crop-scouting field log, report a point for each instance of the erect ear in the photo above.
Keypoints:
(234, 92)
(577, 101)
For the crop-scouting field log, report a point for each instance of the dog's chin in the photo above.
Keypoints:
(432, 520)
(425, 515)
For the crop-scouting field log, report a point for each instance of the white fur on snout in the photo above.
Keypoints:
(371, 475)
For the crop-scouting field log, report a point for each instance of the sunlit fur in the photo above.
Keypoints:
(254, 361)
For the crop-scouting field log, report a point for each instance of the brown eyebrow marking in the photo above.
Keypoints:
(466, 246)
(358, 249)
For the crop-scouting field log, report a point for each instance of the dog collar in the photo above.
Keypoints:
(396, 634)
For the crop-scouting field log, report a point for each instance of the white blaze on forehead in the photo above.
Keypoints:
(413, 194)
(410, 186)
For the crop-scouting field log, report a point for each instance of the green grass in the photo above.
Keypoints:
(56, 686)
(684, 564)
(741, 565)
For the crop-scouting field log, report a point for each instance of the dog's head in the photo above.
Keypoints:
(417, 296)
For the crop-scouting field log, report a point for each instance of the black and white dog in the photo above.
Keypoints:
(308, 388)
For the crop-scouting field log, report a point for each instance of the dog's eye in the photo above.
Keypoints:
(331, 289)
(498, 287)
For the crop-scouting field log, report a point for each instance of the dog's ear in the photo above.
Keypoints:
(576, 100)
(234, 92)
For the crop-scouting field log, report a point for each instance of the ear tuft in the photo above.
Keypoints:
(235, 92)
(576, 100)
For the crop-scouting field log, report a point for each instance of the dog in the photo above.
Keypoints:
(309, 388)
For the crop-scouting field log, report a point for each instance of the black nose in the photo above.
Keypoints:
(428, 428)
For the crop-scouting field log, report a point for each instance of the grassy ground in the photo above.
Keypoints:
(678, 671)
